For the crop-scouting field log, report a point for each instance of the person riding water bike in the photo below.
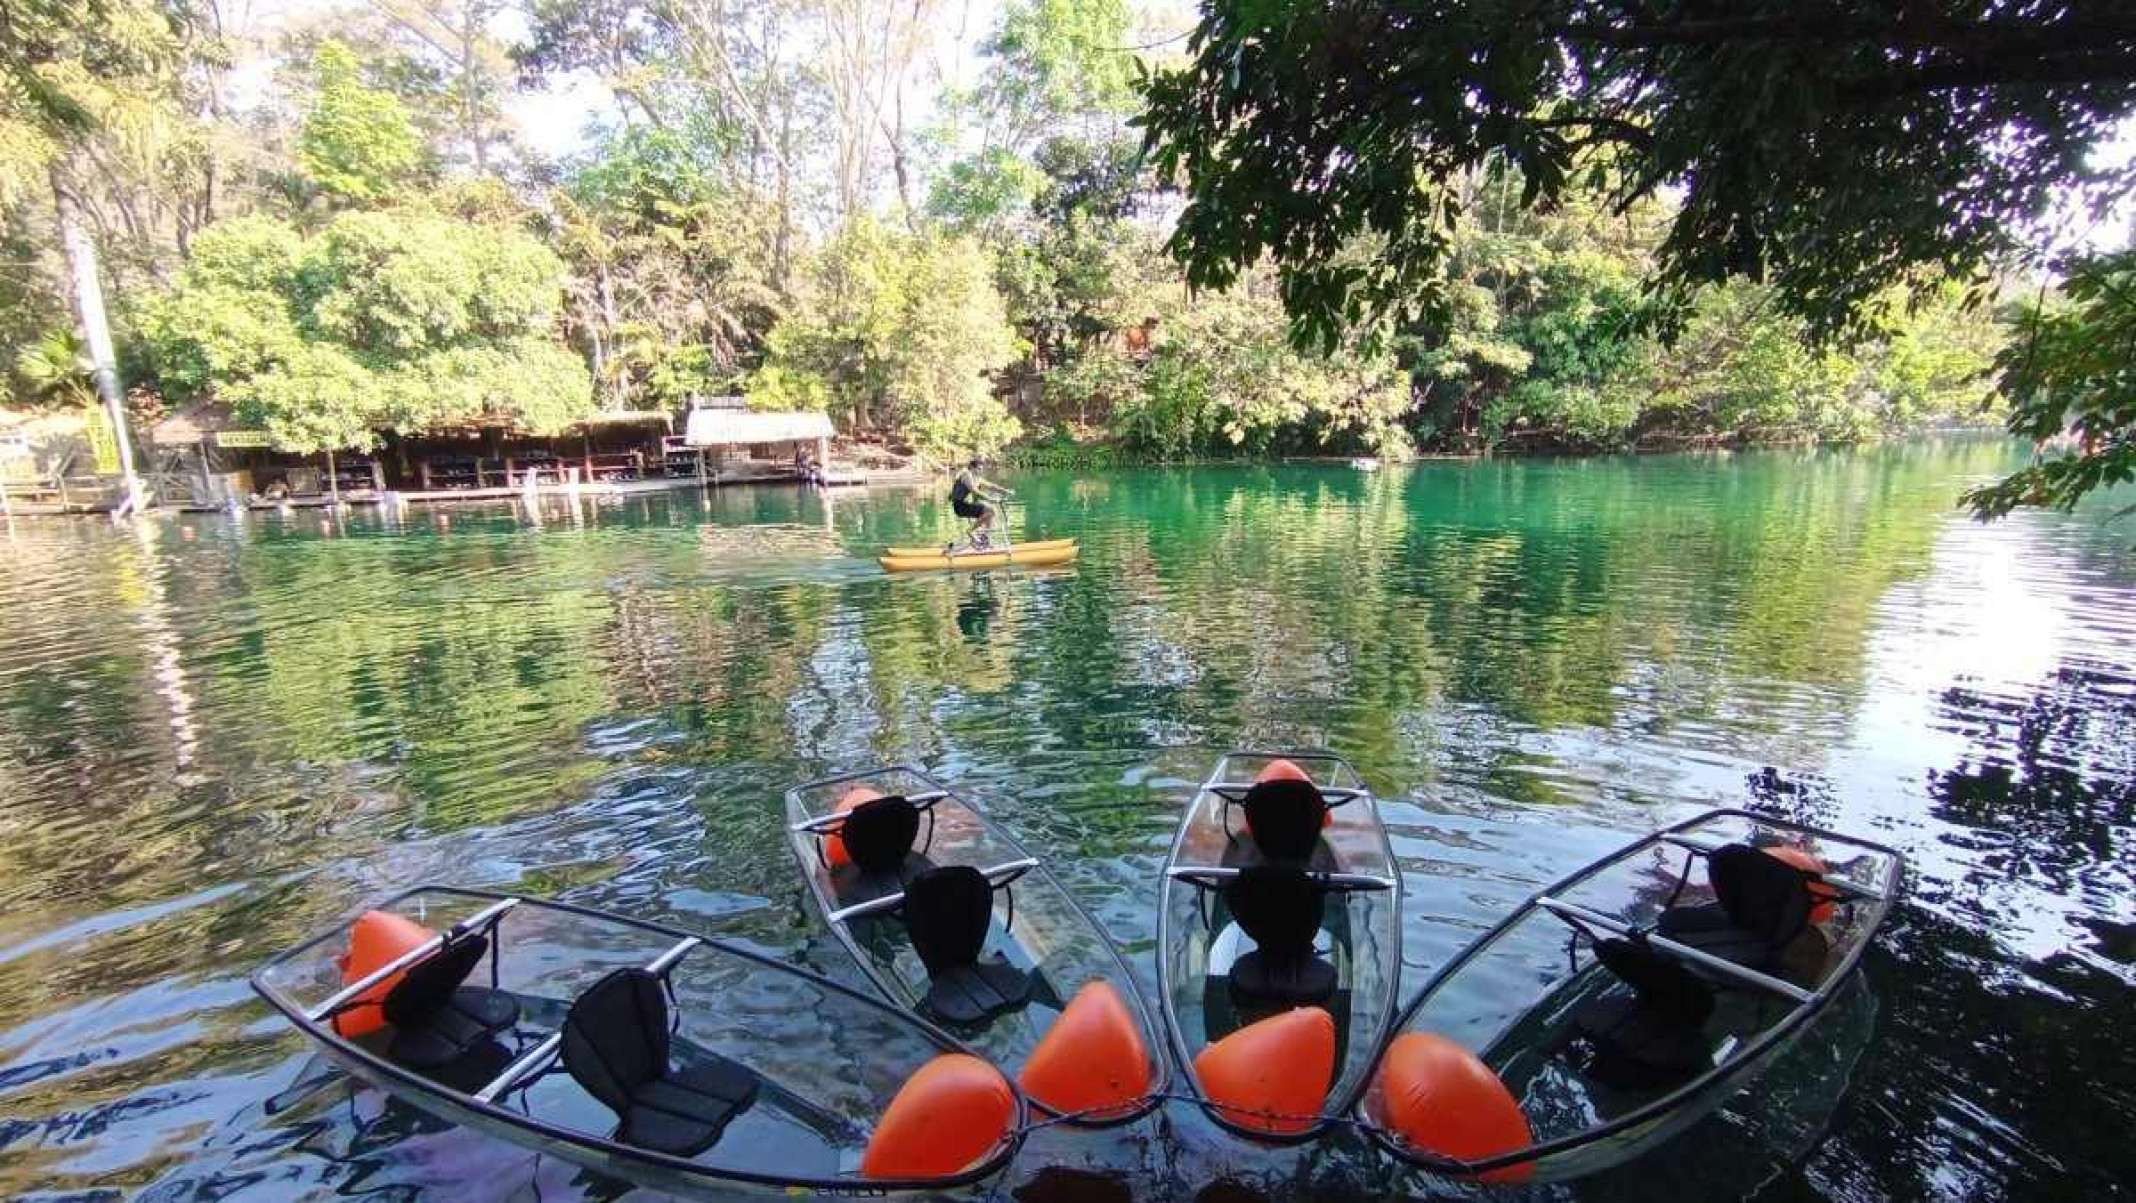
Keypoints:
(969, 495)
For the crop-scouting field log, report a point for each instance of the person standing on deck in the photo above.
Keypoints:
(969, 495)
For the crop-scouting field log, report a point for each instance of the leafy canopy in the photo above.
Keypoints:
(1832, 148)
(357, 144)
(394, 319)
(2070, 373)
(897, 330)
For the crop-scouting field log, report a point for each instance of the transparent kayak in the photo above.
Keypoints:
(1628, 1000)
(503, 1014)
(1347, 953)
(1018, 948)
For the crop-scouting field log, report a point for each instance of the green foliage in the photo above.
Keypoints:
(897, 331)
(1223, 376)
(395, 319)
(2070, 373)
(357, 144)
(1933, 137)
(672, 267)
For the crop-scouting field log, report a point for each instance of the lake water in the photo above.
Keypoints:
(218, 735)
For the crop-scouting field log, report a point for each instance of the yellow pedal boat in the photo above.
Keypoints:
(914, 559)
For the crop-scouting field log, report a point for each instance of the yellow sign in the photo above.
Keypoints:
(240, 438)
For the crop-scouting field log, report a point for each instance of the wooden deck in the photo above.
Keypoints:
(837, 478)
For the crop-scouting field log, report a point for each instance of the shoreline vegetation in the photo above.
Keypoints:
(368, 250)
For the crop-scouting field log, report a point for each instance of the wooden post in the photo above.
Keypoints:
(333, 481)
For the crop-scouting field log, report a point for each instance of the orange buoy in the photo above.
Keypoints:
(376, 938)
(949, 1114)
(1092, 1060)
(834, 849)
(1442, 1098)
(1807, 861)
(1272, 1075)
(1280, 769)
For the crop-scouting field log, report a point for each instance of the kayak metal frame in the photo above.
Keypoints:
(1213, 875)
(996, 876)
(1744, 1058)
(1022, 862)
(1334, 1109)
(473, 1105)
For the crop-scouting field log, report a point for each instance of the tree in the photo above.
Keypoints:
(900, 332)
(2069, 370)
(672, 266)
(385, 320)
(357, 144)
(1832, 149)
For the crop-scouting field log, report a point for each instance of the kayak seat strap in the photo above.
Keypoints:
(879, 833)
(616, 1045)
(948, 911)
(1285, 816)
(436, 1020)
(1280, 909)
(1761, 905)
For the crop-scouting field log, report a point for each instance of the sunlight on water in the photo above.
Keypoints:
(218, 734)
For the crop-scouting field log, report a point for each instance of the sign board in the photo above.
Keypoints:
(241, 439)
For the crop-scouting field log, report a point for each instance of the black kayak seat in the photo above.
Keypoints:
(879, 833)
(1280, 908)
(436, 1021)
(1653, 1036)
(616, 1044)
(1285, 816)
(1761, 905)
(948, 911)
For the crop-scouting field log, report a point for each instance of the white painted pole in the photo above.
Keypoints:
(96, 330)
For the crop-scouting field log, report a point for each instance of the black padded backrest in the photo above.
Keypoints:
(1285, 816)
(1279, 906)
(429, 983)
(948, 910)
(879, 833)
(1761, 894)
(616, 1036)
(1664, 985)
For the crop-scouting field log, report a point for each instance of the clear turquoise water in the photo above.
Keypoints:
(217, 735)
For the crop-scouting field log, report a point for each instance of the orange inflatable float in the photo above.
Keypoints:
(1272, 1075)
(1092, 1061)
(1284, 770)
(834, 849)
(374, 940)
(950, 1113)
(1440, 1097)
(1805, 860)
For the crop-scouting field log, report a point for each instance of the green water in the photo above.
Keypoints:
(218, 734)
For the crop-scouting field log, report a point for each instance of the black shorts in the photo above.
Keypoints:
(968, 509)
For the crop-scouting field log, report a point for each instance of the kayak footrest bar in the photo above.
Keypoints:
(421, 952)
(1838, 885)
(537, 1058)
(921, 800)
(1346, 881)
(1576, 914)
(1007, 871)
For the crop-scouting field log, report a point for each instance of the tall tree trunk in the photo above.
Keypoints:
(89, 309)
